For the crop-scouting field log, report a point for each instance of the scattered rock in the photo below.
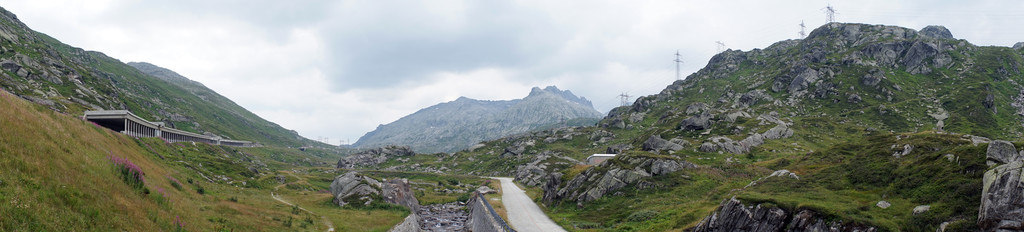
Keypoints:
(883, 204)
(696, 108)
(921, 209)
(656, 144)
(609, 177)
(485, 190)
(618, 148)
(374, 156)
(443, 217)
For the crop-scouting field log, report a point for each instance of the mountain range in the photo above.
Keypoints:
(856, 127)
(460, 124)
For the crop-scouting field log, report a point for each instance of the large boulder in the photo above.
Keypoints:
(656, 144)
(353, 188)
(398, 191)
(698, 122)
(410, 224)
(1002, 152)
(1002, 196)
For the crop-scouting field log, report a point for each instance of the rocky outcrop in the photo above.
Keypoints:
(374, 156)
(535, 172)
(353, 188)
(1002, 196)
(935, 31)
(732, 215)
(743, 146)
(398, 191)
(451, 216)
(656, 144)
(610, 176)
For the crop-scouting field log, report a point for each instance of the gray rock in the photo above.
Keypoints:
(656, 144)
(352, 186)
(1002, 152)
(873, 77)
(938, 32)
(410, 224)
(708, 147)
(698, 122)
(1018, 45)
(803, 80)
(1002, 198)
(374, 156)
(778, 132)
(854, 98)
(921, 209)
(609, 177)
(732, 215)
(618, 148)
(883, 204)
(696, 108)
(485, 190)
(398, 191)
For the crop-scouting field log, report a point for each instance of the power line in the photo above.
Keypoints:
(830, 13)
(678, 62)
(625, 99)
(802, 28)
(721, 46)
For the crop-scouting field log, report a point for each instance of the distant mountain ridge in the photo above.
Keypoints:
(456, 125)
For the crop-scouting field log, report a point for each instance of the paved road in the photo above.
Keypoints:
(523, 214)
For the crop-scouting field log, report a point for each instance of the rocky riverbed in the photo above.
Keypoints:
(443, 217)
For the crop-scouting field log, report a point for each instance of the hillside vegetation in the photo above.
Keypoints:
(824, 129)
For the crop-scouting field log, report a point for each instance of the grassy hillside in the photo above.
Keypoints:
(58, 175)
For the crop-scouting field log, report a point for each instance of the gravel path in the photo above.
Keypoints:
(523, 213)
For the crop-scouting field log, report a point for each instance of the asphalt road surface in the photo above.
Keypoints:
(523, 214)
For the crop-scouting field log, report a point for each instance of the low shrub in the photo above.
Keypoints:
(130, 173)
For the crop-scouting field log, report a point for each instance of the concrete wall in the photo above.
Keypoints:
(482, 217)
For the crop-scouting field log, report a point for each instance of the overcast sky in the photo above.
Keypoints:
(339, 68)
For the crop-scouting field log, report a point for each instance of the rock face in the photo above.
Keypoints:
(459, 124)
(1002, 197)
(374, 156)
(699, 122)
(610, 176)
(353, 188)
(732, 215)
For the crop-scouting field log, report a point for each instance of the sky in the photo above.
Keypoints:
(336, 69)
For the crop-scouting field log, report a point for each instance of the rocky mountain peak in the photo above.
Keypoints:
(936, 31)
(564, 94)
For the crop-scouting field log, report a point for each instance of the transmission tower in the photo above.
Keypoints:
(830, 13)
(678, 62)
(625, 99)
(802, 28)
(721, 46)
